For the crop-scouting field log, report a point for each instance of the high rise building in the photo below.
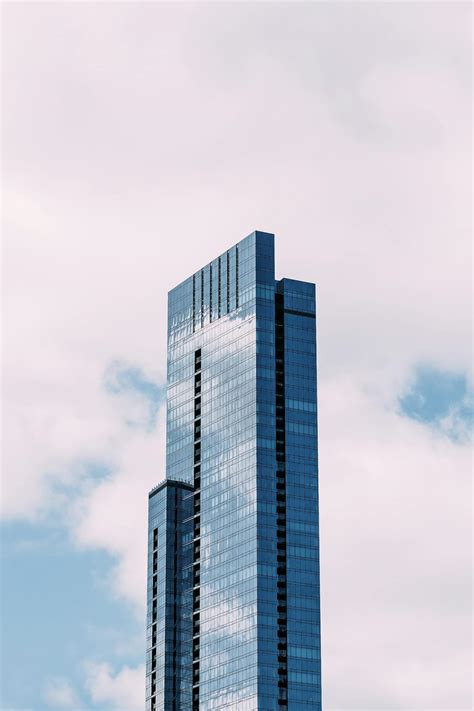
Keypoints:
(233, 549)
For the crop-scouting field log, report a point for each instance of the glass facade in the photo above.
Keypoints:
(233, 566)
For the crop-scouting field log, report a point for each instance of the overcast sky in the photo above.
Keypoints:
(141, 140)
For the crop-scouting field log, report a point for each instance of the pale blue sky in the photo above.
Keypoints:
(140, 141)
(436, 396)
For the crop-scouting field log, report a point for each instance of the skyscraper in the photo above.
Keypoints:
(233, 550)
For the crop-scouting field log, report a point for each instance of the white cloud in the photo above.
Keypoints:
(113, 514)
(395, 553)
(125, 690)
(59, 693)
(159, 138)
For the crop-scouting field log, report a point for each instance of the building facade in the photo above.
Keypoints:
(233, 617)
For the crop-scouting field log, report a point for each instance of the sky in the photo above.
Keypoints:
(140, 140)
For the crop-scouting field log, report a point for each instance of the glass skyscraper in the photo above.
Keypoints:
(233, 549)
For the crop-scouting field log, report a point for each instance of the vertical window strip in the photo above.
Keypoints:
(196, 634)
(219, 279)
(237, 277)
(202, 298)
(210, 293)
(194, 303)
(175, 598)
(154, 616)
(228, 281)
(280, 435)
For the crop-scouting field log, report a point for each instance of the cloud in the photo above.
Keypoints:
(75, 429)
(159, 138)
(124, 690)
(98, 458)
(60, 694)
(395, 506)
(122, 379)
(113, 515)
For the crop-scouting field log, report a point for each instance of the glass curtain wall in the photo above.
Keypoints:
(242, 451)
